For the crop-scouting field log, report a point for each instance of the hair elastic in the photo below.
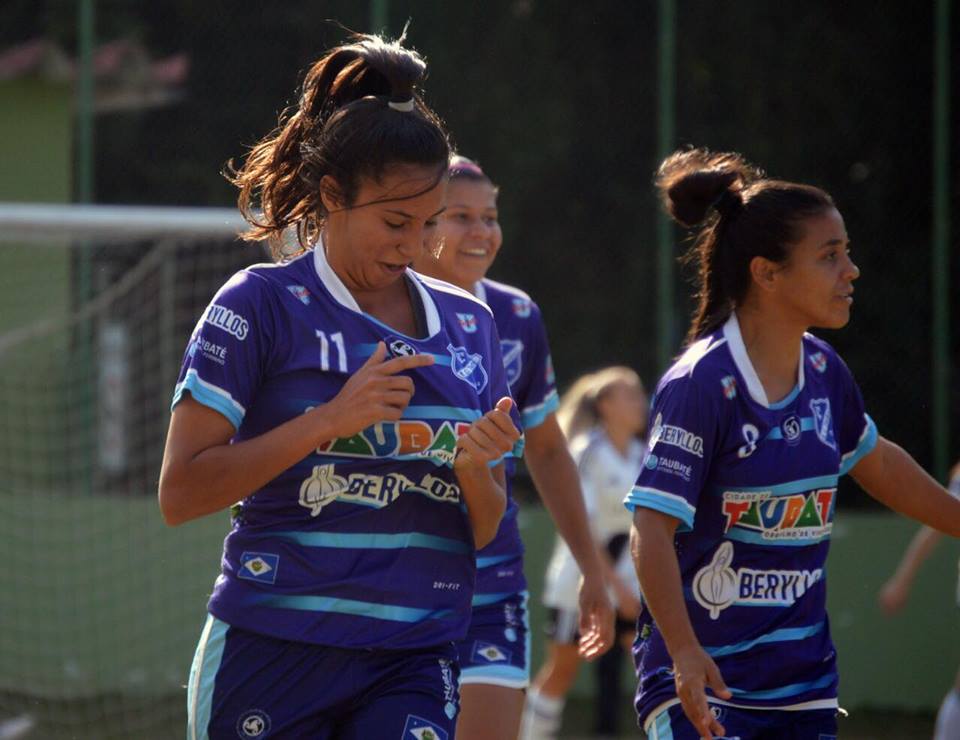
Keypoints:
(404, 106)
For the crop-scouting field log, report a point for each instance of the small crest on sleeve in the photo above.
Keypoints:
(301, 293)
(819, 362)
(522, 307)
(729, 384)
(468, 322)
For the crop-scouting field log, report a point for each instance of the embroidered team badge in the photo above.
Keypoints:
(512, 350)
(490, 653)
(468, 367)
(301, 293)
(468, 322)
(521, 308)
(259, 566)
(823, 421)
(399, 348)
(418, 728)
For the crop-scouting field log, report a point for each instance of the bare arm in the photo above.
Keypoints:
(203, 473)
(893, 478)
(657, 567)
(558, 482)
(484, 489)
(896, 591)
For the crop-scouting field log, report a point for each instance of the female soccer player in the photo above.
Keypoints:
(603, 415)
(752, 427)
(895, 593)
(494, 657)
(359, 424)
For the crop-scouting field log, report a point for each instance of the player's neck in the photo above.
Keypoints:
(773, 345)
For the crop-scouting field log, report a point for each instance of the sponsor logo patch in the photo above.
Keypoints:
(717, 585)
(449, 688)
(254, 723)
(399, 348)
(325, 486)
(232, 323)
(419, 728)
(800, 516)
(215, 352)
(674, 436)
(669, 466)
(259, 566)
(791, 430)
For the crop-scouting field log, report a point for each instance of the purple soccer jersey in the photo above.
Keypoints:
(529, 372)
(754, 487)
(365, 543)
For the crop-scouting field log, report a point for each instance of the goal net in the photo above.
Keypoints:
(102, 604)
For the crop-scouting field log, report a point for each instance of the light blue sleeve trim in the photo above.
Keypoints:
(868, 440)
(534, 416)
(662, 501)
(211, 396)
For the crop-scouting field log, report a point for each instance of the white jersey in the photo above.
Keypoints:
(605, 476)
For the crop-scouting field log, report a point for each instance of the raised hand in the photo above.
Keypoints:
(488, 439)
(375, 392)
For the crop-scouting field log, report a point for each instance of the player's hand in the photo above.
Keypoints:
(488, 438)
(374, 393)
(596, 618)
(694, 670)
(893, 596)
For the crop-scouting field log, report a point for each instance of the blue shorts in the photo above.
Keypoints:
(496, 649)
(248, 686)
(748, 724)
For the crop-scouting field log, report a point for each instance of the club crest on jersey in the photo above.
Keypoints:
(489, 652)
(762, 518)
(259, 566)
(399, 348)
(729, 384)
(522, 307)
(512, 351)
(823, 421)
(300, 293)
(418, 728)
(718, 585)
(468, 367)
(468, 322)
(819, 362)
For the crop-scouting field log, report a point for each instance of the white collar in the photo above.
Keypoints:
(738, 350)
(480, 291)
(332, 282)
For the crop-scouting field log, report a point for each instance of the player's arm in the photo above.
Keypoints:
(893, 477)
(484, 492)
(895, 592)
(558, 482)
(203, 473)
(654, 556)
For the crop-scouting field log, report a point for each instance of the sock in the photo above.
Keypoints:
(542, 716)
(948, 718)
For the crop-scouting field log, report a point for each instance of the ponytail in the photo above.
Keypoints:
(359, 113)
(741, 215)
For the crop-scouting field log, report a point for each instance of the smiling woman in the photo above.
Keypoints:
(359, 424)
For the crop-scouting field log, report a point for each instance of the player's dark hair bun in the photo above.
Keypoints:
(694, 181)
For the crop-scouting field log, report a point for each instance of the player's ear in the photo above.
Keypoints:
(764, 272)
(331, 194)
